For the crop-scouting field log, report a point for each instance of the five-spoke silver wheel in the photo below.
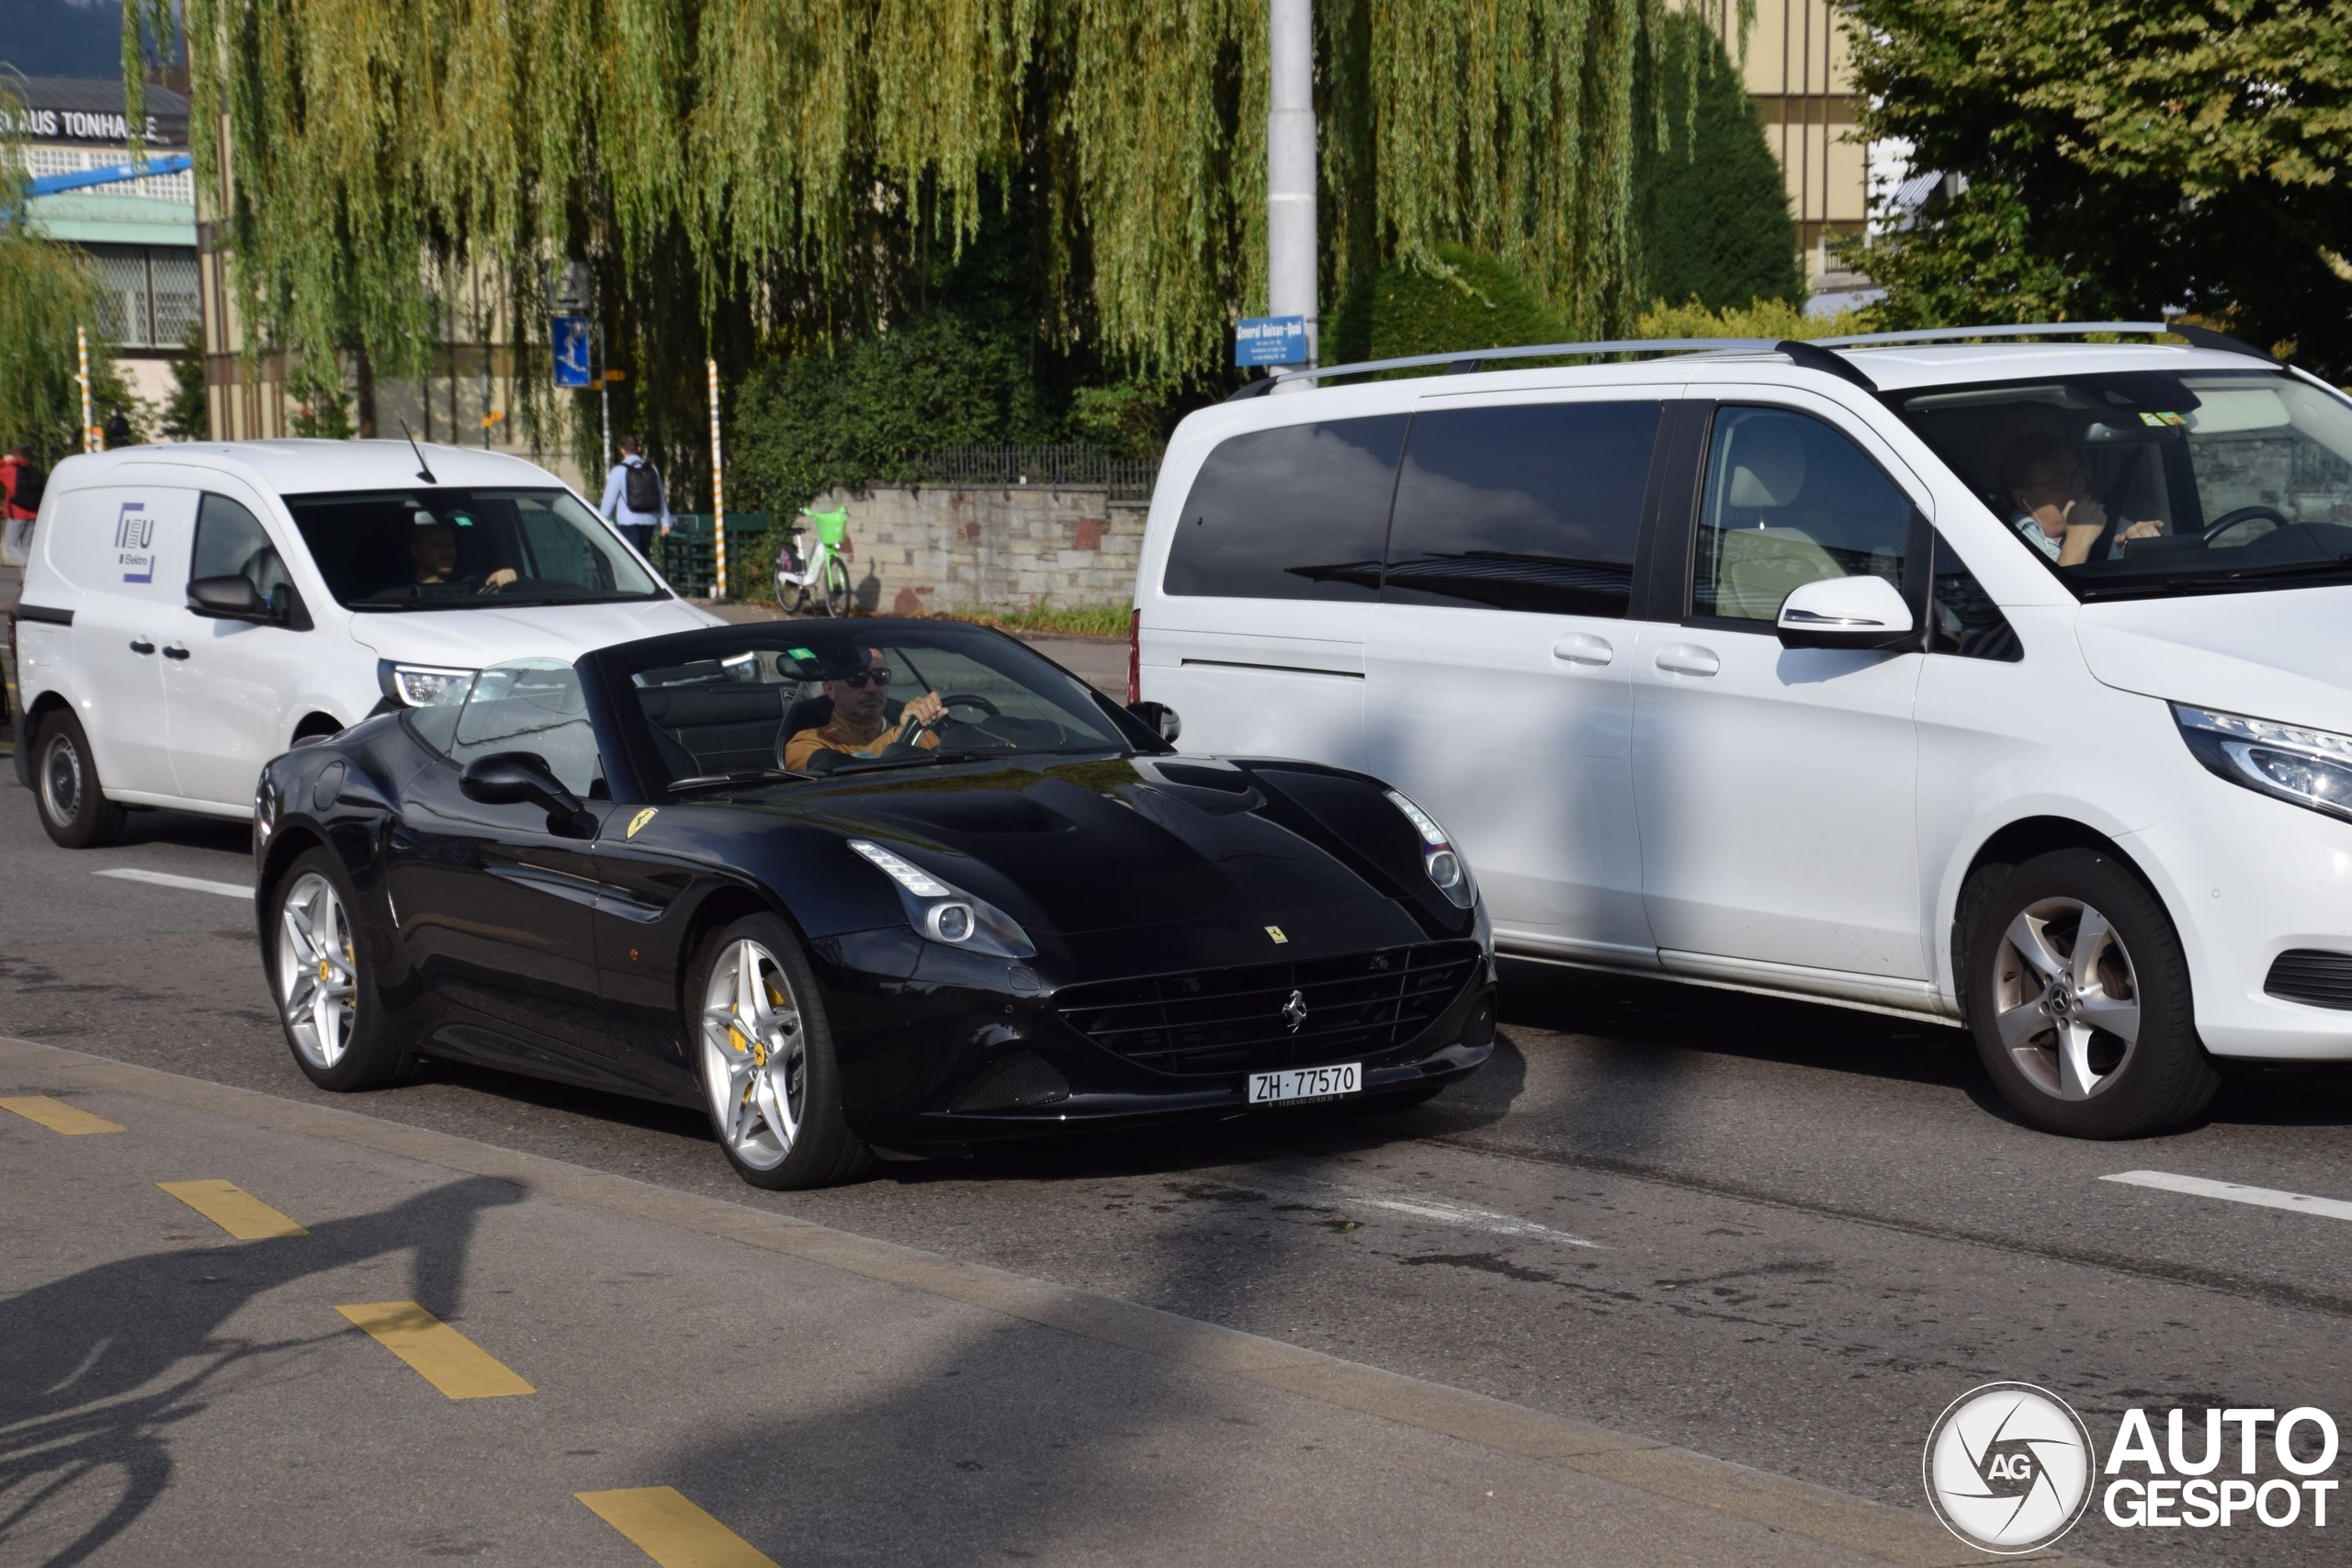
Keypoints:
(2066, 999)
(318, 971)
(756, 1058)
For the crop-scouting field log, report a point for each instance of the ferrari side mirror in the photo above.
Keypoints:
(1160, 719)
(518, 778)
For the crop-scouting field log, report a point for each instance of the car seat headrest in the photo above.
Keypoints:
(1767, 465)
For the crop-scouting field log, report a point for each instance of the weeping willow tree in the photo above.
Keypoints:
(735, 171)
(47, 290)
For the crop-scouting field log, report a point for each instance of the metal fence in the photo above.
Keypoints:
(1091, 467)
(689, 560)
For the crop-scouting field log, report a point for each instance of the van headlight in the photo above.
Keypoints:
(2307, 767)
(1444, 863)
(417, 685)
(945, 912)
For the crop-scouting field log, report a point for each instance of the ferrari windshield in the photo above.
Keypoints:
(804, 699)
(443, 547)
(2158, 482)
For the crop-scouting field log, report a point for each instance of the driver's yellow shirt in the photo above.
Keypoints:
(834, 737)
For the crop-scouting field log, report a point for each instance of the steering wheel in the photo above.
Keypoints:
(954, 700)
(2243, 515)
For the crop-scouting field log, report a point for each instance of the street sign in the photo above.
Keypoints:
(570, 337)
(1269, 340)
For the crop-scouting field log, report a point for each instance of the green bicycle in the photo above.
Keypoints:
(821, 572)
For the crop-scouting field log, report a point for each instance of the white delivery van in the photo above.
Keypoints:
(191, 611)
(2008, 682)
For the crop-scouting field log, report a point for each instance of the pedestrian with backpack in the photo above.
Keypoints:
(21, 481)
(635, 498)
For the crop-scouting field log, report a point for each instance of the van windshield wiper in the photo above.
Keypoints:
(741, 776)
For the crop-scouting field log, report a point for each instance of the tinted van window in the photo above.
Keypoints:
(1298, 513)
(1534, 507)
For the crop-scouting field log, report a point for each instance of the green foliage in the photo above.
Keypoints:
(1103, 620)
(187, 412)
(1710, 204)
(321, 409)
(869, 412)
(46, 291)
(1456, 299)
(736, 171)
(2121, 156)
(1774, 318)
(1128, 419)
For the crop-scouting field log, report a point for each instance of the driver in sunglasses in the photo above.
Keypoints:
(860, 724)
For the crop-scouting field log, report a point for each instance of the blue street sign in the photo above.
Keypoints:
(570, 335)
(1269, 340)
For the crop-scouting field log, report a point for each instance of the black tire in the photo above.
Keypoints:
(823, 1152)
(2021, 1005)
(833, 583)
(377, 1051)
(74, 811)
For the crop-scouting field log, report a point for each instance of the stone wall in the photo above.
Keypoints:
(915, 551)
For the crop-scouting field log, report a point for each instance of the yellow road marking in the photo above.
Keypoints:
(58, 1116)
(442, 1355)
(233, 1209)
(661, 1523)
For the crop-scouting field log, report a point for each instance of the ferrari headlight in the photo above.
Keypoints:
(2311, 768)
(418, 686)
(946, 913)
(1444, 863)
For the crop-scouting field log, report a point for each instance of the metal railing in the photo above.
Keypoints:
(1069, 466)
(688, 561)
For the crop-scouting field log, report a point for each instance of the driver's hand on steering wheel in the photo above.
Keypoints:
(2147, 530)
(499, 579)
(926, 710)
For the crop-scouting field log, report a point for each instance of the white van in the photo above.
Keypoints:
(191, 611)
(2007, 682)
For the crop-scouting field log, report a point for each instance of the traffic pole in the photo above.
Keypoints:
(717, 492)
(1290, 167)
(604, 396)
(93, 438)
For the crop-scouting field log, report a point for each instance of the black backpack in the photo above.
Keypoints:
(31, 480)
(642, 488)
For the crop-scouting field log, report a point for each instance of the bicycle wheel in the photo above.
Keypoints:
(834, 586)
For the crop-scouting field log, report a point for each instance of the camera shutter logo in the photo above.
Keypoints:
(2009, 1468)
(134, 541)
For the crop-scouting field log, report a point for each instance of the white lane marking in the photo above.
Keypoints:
(1450, 1214)
(2262, 1197)
(191, 884)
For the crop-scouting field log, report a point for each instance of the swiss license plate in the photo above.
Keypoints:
(1305, 1083)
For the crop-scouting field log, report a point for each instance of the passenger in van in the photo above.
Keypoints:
(2054, 512)
(859, 728)
(432, 551)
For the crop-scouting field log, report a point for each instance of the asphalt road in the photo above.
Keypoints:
(1784, 1235)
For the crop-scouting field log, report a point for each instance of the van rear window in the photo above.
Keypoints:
(1298, 513)
(1529, 507)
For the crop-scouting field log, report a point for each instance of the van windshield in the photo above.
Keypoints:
(443, 548)
(2152, 484)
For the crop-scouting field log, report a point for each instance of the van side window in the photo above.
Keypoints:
(1789, 501)
(1534, 507)
(231, 542)
(1963, 619)
(1297, 512)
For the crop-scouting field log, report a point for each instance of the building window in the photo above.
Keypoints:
(147, 294)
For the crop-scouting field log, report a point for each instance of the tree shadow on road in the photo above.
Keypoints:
(102, 1364)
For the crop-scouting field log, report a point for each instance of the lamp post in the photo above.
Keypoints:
(1290, 166)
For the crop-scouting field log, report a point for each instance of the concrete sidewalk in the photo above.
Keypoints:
(170, 1393)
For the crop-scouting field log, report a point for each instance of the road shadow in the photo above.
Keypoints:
(102, 1364)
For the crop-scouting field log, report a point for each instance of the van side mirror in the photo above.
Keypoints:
(1862, 612)
(229, 598)
(524, 778)
(1160, 719)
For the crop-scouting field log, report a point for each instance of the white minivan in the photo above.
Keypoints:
(189, 612)
(2005, 682)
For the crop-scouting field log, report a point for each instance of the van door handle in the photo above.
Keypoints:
(1687, 659)
(140, 645)
(1583, 648)
(175, 651)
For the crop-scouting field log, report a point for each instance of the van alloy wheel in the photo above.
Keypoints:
(318, 972)
(755, 1056)
(2067, 999)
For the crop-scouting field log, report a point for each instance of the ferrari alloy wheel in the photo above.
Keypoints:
(756, 1062)
(340, 1032)
(75, 812)
(2077, 993)
(318, 971)
(765, 1057)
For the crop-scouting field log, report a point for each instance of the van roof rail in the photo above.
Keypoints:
(1811, 353)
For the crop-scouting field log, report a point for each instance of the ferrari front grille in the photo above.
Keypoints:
(1273, 1015)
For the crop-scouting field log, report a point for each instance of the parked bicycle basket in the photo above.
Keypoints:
(832, 527)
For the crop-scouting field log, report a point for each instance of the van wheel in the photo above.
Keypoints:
(75, 810)
(2077, 995)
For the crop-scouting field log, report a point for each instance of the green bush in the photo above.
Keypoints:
(1462, 300)
(1711, 208)
(1773, 319)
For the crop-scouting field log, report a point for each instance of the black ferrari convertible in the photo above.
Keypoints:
(895, 885)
